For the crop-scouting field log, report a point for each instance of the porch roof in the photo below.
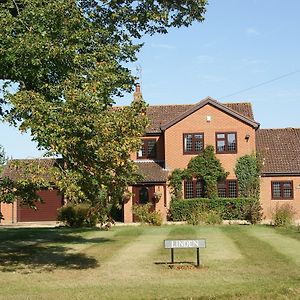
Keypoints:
(152, 171)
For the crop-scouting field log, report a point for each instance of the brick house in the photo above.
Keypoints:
(179, 132)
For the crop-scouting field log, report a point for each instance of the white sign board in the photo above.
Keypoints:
(173, 244)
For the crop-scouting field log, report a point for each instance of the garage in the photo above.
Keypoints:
(46, 211)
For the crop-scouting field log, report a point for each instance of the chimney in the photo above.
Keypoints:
(137, 95)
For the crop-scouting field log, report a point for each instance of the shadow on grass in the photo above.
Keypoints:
(28, 250)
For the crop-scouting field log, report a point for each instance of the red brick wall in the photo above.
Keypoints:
(269, 205)
(197, 122)
(9, 212)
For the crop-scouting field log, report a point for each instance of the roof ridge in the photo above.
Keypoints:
(281, 128)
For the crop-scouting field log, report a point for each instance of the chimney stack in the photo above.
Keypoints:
(137, 95)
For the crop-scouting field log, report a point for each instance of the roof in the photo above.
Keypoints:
(280, 150)
(163, 116)
(152, 171)
(20, 168)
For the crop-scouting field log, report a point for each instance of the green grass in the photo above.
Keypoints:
(240, 262)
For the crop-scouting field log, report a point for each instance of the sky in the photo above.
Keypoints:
(245, 50)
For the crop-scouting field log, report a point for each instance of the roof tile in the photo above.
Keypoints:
(152, 171)
(279, 149)
(162, 114)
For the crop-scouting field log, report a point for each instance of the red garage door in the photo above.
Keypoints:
(46, 211)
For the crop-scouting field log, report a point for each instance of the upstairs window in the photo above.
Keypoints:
(282, 190)
(193, 143)
(193, 189)
(228, 189)
(226, 142)
(148, 149)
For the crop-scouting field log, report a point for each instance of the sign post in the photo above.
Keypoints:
(183, 244)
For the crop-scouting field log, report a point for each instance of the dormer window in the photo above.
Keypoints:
(193, 143)
(226, 142)
(148, 149)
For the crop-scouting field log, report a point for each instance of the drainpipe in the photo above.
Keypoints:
(13, 213)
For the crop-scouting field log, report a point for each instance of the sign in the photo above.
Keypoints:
(180, 244)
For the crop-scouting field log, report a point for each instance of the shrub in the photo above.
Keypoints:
(144, 215)
(212, 217)
(77, 215)
(283, 215)
(253, 211)
(198, 216)
(226, 208)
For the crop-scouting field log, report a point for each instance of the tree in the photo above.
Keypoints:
(66, 60)
(207, 167)
(204, 166)
(247, 171)
(3, 159)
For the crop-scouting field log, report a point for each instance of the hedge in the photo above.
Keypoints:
(229, 208)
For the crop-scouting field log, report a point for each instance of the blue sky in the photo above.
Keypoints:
(241, 44)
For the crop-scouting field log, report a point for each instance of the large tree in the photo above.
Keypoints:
(62, 63)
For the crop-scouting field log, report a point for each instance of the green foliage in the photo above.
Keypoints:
(283, 215)
(175, 183)
(145, 215)
(247, 171)
(227, 208)
(32, 177)
(253, 211)
(207, 167)
(204, 166)
(66, 74)
(3, 159)
(198, 216)
(77, 215)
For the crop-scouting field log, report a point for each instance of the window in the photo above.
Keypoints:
(193, 189)
(228, 189)
(226, 142)
(148, 149)
(193, 143)
(282, 190)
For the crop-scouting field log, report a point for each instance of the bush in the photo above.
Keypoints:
(283, 215)
(197, 216)
(212, 217)
(144, 215)
(225, 208)
(77, 215)
(253, 211)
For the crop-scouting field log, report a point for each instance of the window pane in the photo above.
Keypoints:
(287, 190)
(188, 191)
(198, 146)
(222, 189)
(142, 152)
(231, 141)
(276, 189)
(198, 136)
(188, 143)
(287, 193)
(232, 190)
(151, 149)
(222, 192)
(221, 135)
(199, 190)
(220, 146)
(143, 195)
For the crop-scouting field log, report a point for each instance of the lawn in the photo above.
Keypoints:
(129, 262)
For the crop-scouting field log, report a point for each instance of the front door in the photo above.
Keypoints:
(143, 194)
